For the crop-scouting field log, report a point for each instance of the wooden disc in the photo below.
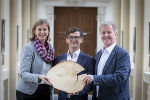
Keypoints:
(63, 76)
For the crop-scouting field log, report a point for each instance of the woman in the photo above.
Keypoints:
(36, 59)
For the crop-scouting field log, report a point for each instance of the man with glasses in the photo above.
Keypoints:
(74, 38)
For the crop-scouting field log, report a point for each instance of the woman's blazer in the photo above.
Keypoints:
(31, 65)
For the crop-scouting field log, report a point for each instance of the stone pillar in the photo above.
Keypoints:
(137, 94)
(25, 22)
(19, 38)
(13, 50)
(125, 24)
(131, 45)
(100, 19)
(33, 9)
(132, 30)
(117, 18)
(50, 18)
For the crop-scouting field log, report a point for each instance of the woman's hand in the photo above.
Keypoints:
(44, 78)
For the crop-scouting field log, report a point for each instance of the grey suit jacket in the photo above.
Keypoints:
(28, 81)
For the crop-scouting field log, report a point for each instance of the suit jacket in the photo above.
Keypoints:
(114, 81)
(28, 81)
(88, 63)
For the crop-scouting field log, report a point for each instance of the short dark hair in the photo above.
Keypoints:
(72, 30)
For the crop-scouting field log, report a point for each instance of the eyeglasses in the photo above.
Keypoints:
(74, 37)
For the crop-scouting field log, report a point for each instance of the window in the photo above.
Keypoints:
(3, 40)
(3, 37)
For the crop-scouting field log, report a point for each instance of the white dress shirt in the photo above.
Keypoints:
(74, 56)
(105, 54)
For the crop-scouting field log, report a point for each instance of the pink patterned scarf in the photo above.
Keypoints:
(47, 57)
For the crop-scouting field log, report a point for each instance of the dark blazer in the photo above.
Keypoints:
(88, 63)
(114, 81)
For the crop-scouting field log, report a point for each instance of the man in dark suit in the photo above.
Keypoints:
(112, 69)
(74, 37)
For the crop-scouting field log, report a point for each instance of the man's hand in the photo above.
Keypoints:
(88, 79)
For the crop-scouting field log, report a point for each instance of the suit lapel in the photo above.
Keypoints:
(97, 60)
(64, 57)
(79, 60)
(109, 60)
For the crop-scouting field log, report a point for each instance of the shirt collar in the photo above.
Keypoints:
(110, 48)
(75, 54)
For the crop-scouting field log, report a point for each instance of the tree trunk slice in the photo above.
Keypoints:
(63, 76)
